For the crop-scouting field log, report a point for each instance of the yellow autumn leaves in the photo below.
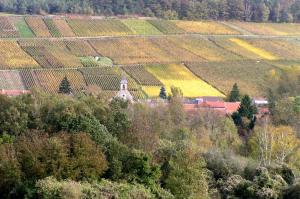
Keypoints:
(179, 76)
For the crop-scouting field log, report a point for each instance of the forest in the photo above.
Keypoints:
(88, 146)
(243, 10)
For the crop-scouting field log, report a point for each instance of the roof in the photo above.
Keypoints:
(14, 92)
(124, 80)
(210, 99)
(232, 107)
(224, 107)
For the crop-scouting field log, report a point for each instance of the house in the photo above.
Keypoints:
(261, 106)
(211, 104)
(123, 92)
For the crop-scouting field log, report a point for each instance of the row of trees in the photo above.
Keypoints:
(247, 10)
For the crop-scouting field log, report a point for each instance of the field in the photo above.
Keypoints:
(13, 57)
(131, 50)
(11, 80)
(53, 53)
(49, 80)
(107, 27)
(52, 27)
(7, 28)
(23, 29)
(63, 28)
(282, 49)
(141, 27)
(38, 26)
(203, 48)
(254, 49)
(205, 27)
(80, 48)
(179, 76)
(280, 29)
(142, 76)
(245, 73)
(167, 27)
(200, 57)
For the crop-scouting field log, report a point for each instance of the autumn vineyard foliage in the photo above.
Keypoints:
(209, 51)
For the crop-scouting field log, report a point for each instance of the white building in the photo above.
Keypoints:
(123, 92)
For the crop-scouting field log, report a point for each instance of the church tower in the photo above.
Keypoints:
(123, 92)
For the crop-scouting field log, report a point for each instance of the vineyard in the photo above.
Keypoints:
(7, 29)
(280, 29)
(94, 54)
(205, 27)
(82, 27)
(38, 26)
(179, 76)
(244, 73)
(141, 27)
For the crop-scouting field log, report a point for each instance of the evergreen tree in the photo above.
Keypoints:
(245, 118)
(163, 93)
(65, 87)
(234, 94)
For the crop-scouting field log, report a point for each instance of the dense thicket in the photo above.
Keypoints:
(248, 10)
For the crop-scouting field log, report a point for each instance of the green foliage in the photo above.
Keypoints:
(65, 87)
(13, 119)
(245, 118)
(292, 192)
(234, 94)
(263, 186)
(163, 93)
(50, 188)
(92, 62)
(76, 156)
(23, 29)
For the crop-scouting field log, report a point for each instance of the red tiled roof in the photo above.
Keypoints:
(232, 107)
(224, 107)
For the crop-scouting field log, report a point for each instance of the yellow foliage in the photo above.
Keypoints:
(152, 91)
(261, 52)
(205, 27)
(12, 56)
(179, 76)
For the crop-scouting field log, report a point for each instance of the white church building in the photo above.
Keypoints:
(123, 92)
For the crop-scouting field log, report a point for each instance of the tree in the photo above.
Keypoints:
(65, 87)
(275, 144)
(163, 93)
(234, 95)
(245, 118)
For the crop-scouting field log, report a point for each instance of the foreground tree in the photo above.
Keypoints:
(245, 118)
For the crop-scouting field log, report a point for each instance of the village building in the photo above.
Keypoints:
(123, 93)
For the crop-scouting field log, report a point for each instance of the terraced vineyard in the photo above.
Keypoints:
(280, 29)
(179, 76)
(141, 27)
(98, 27)
(201, 58)
(244, 73)
(205, 27)
(38, 26)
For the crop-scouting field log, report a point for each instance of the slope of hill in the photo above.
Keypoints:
(151, 52)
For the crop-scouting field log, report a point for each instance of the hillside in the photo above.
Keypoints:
(197, 56)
